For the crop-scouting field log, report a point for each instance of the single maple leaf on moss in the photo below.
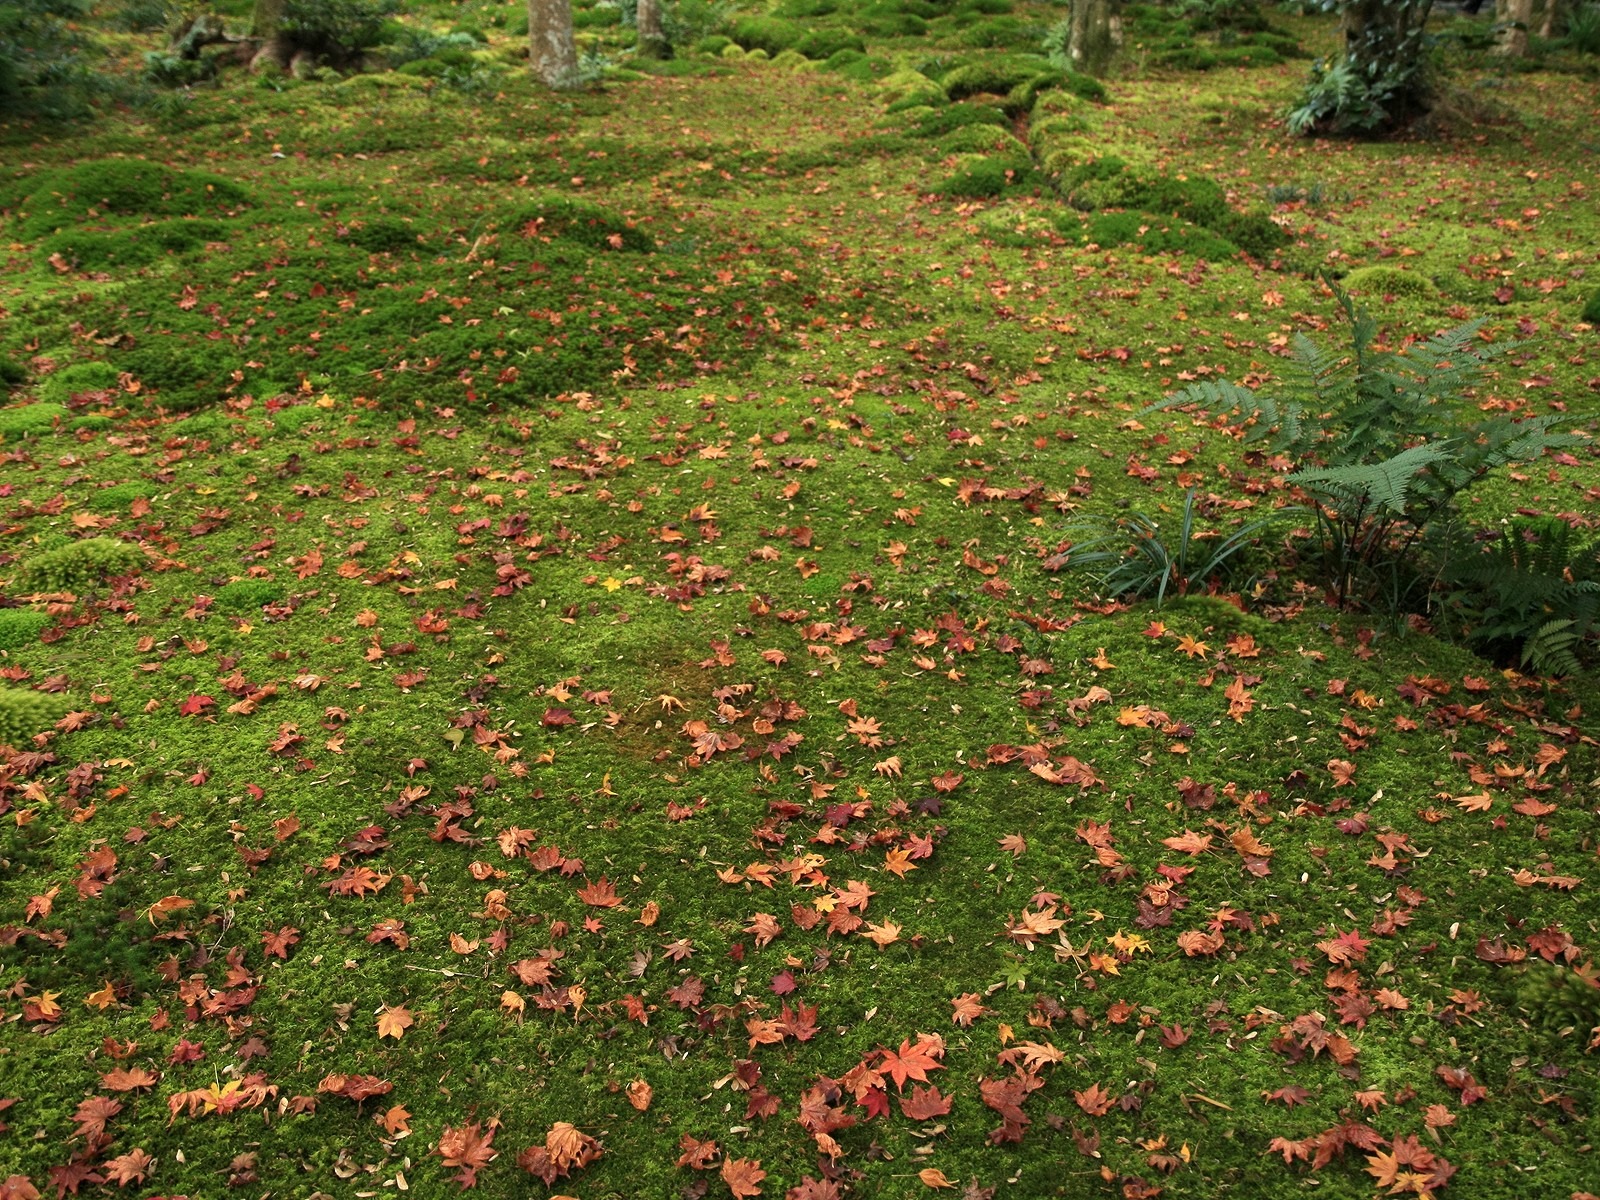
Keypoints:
(393, 1022)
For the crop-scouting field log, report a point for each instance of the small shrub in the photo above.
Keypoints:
(1533, 596)
(1591, 308)
(30, 419)
(164, 69)
(337, 30)
(21, 627)
(1135, 555)
(1384, 444)
(1558, 998)
(24, 713)
(79, 564)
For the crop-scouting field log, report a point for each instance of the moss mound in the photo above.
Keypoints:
(1375, 281)
(579, 221)
(124, 188)
(20, 626)
(30, 419)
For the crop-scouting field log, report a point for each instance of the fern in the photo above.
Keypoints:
(1383, 440)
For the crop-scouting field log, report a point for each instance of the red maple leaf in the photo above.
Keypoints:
(912, 1061)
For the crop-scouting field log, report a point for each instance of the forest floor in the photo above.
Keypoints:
(536, 641)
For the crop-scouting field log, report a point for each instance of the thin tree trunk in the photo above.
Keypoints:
(1514, 32)
(551, 52)
(265, 24)
(652, 41)
(1096, 35)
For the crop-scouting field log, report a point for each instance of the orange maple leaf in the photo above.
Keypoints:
(393, 1022)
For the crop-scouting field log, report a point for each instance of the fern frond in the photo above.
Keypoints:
(1387, 484)
(1553, 648)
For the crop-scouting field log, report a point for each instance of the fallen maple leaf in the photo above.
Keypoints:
(934, 1178)
(467, 1147)
(393, 1022)
(1095, 1100)
(743, 1176)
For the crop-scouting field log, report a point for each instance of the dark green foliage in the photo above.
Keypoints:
(1583, 28)
(898, 24)
(174, 70)
(577, 221)
(1591, 308)
(30, 419)
(998, 33)
(42, 68)
(128, 187)
(20, 626)
(822, 44)
(1563, 1000)
(991, 8)
(1381, 78)
(772, 34)
(86, 563)
(337, 30)
(1133, 555)
(12, 372)
(1532, 596)
(1385, 444)
(596, 17)
(131, 245)
(183, 371)
(244, 596)
(24, 713)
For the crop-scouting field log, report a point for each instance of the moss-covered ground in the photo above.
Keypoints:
(534, 640)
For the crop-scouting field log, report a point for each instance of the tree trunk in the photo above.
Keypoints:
(1514, 18)
(275, 48)
(652, 42)
(1096, 35)
(551, 52)
(1547, 23)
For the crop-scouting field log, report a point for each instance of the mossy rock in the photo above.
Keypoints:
(380, 234)
(77, 378)
(24, 713)
(21, 627)
(732, 51)
(568, 219)
(1386, 281)
(1011, 224)
(125, 188)
(120, 496)
(984, 177)
(131, 245)
(79, 564)
(997, 76)
(941, 121)
(30, 420)
(758, 55)
(897, 25)
(981, 139)
(1058, 125)
(823, 44)
(908, 88)
(858, 67)
(1151, 234)
(772, 34)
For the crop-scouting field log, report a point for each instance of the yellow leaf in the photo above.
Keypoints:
(103, 999)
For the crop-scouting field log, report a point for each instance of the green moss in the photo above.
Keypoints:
(119, 496)
(382, 234)
(981, 139)
(1151, 234)
(988, 176)
(79, 564)
(772, 34)
(244, 596)
(941, 121)
(1376, 281)
(12, 371)
(823, 44)
(23, 714)
(30, 419)
(578, 221)
(1591, 308)
(75, 379)
(21, 626)
(131, 245)
(126, 188)
(995, 76)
